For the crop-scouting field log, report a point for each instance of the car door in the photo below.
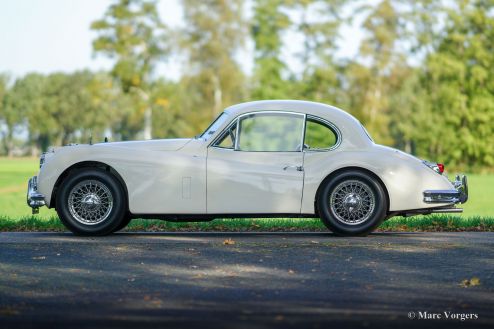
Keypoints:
(255, 166)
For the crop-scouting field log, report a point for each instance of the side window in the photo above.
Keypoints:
(271, 132)
(227, 140)
(319, 136)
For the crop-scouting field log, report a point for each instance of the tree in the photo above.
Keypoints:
(370, 80)
(268, 24)
(423, 25)
(24, 99)
(319, 23)
(459, 80)
(132, 32)
(9, 116)
(214, 32)
(59, 108)
(408, 106)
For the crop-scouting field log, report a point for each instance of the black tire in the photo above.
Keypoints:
(91, 201)
(123, 224)
(352, 203)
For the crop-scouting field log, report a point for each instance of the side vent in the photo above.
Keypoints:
(186, 181)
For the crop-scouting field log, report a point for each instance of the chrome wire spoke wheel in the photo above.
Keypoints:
(90, 202)
(352, 202)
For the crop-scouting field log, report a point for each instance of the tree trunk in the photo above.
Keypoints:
(217, 94)
(8, 142)
(148, 114)
(148, 123)
(408, 146)
(65, 138)
(43, 142)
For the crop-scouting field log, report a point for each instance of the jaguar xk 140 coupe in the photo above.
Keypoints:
(257, 159)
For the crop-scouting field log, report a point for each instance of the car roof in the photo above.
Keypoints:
(349, 126)
(324, 111)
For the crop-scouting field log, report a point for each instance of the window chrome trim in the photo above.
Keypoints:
(332, 126)
(237, 121)
(237, 133)
(210, 125)
(218, 137)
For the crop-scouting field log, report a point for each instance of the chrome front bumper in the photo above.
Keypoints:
(34, 198)
(458, 195)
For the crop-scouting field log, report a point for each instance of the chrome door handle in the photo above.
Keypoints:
(298, 168)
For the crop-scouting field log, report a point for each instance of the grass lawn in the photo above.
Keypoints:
(15, 214)
(14, 174)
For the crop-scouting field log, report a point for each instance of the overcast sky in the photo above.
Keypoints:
(53, 35)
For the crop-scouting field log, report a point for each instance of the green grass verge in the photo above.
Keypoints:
(397, 224)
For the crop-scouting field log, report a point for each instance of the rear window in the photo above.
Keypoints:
(319, 135)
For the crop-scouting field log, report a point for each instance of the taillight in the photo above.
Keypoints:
(440, 166)
(437, 167)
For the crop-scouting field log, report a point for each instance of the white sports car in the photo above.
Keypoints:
(257, 159)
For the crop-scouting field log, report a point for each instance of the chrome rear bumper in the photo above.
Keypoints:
(458, 195)
(34, 198)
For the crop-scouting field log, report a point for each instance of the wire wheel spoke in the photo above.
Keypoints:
(352, 202)
(90, 202)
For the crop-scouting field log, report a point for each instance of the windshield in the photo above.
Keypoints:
(214, 126)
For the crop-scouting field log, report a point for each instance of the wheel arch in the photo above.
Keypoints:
(352, 168)
(88, 164)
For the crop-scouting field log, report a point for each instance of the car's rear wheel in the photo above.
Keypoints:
(91, 202)
(352, 203)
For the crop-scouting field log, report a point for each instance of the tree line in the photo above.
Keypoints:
(422, 80)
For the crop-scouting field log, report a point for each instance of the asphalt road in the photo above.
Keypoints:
(288, 280)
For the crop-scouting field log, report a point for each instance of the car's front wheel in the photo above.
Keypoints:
(352, 203)
(91, 202)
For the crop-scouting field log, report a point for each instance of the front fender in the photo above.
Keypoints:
(64, 158)
(158, 181)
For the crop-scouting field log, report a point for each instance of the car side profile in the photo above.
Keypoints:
(279, 158)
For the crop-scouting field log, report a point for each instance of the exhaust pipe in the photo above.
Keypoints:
(450, 210)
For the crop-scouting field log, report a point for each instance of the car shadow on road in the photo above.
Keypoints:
(300, 234)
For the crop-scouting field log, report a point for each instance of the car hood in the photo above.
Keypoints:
(154, 145)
